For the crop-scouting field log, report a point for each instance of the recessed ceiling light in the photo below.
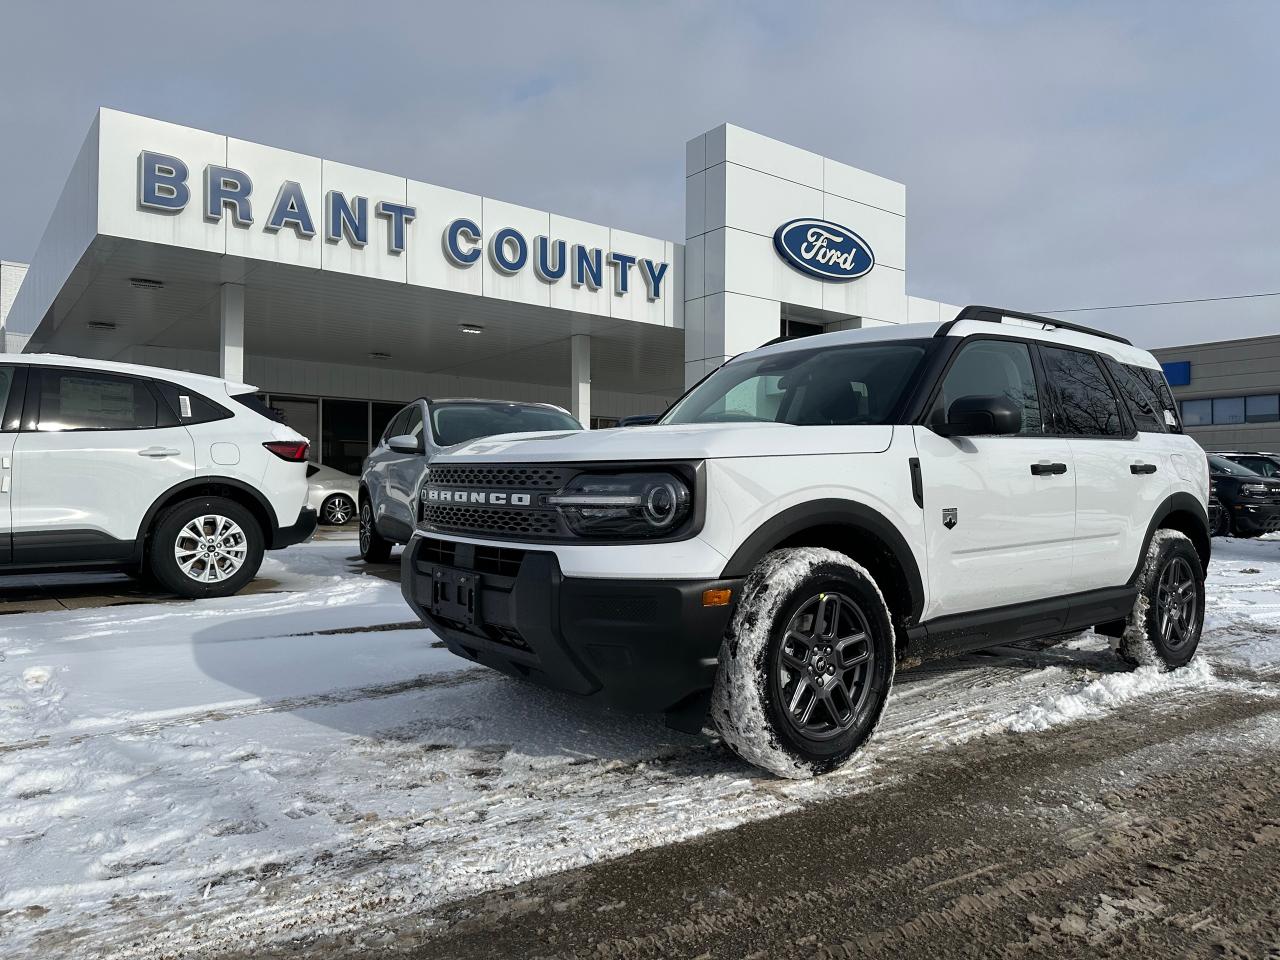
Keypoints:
(379, 355)
(142, 283)
(470, 328)
(102, 325)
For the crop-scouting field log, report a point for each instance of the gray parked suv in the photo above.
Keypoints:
(393, 473)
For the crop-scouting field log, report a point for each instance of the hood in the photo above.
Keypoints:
(696, 441)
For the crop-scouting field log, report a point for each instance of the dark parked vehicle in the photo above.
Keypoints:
(1267, 464)
(1250, 501)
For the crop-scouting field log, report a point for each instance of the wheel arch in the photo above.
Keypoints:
(1185, 513)
(234, 490)
(860, 532)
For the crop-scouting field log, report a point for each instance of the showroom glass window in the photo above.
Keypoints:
(344, 434)
(1088, 406)
(83, 400)
(993, 368)
(1262, 409)
(1197, 413)
(1228, 410)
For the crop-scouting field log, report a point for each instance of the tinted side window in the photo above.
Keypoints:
(190, 407)
(1168, 406)
(1144, 405)
(413, 424)
(86, 400)
(993, 368)
(7, 375)
(396, 427)
(1086, 402)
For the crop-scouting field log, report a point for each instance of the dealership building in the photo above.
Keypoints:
(1228, 391)
(343, 292)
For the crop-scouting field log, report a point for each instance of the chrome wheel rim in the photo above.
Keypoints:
(337, 511)
(824, 666)
(210, 548)
(366, 527)
(1176, 604)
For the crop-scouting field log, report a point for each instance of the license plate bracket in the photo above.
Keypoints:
(455, 595)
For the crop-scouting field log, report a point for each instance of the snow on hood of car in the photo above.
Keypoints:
(694, 441)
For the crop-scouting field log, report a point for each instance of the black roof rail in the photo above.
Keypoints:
(997, 315)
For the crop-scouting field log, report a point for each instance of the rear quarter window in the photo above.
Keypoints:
(190, 407)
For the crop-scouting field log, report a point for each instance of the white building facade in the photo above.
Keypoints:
(342, 292)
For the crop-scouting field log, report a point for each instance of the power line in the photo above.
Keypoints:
(1163, 303)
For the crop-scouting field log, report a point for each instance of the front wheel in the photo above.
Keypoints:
(206, 547)
(1168, 615)
(806, 667)
(373, 548)
(337, 510)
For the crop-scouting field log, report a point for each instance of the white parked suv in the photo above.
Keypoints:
(183, 477)
(815, 511)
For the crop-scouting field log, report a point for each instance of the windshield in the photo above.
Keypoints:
(453, 423)
(836, 385)
(1223, 465)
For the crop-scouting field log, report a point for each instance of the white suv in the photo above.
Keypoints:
(181, 476)
(816, 510)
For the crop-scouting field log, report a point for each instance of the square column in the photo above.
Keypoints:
(231, 332)
(580, 378)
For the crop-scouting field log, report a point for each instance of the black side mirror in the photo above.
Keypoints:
(981, 417)
(405, 443)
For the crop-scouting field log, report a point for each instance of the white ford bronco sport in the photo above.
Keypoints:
(818, 509)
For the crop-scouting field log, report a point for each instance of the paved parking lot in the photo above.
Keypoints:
(304, 768)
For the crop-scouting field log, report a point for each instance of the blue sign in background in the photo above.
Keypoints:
(1178, 373)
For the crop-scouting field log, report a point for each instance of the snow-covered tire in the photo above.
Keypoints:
(782, 641)
(1164, 626)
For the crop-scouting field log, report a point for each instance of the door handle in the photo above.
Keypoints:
(158, 452)
(1045, 469)
(1142, 468)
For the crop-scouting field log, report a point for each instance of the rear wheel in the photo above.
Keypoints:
(373, 548)
(806, 668)
(337, 510)
(206, 547)
(1168, 615)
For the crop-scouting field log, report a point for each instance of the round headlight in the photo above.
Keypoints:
(661, 503)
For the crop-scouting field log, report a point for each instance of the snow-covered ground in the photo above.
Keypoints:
(179, 777)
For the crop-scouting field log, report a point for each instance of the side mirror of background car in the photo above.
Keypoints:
(981, 416)
(405, 443)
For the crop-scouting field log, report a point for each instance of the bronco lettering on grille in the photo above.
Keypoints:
(435, 495)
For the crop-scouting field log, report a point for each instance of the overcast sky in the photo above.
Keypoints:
(1056, 155)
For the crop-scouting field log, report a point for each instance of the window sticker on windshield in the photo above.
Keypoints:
(184, 406)
(1169, 419)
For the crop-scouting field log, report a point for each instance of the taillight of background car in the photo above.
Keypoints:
(295, 451)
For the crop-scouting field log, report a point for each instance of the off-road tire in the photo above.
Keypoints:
(1168, 616)
(163, 560)
(758, 678)
(373, 548)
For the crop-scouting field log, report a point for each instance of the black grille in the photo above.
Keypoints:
(490, 520)
(503, 561)
(438, 551)
(484, 475)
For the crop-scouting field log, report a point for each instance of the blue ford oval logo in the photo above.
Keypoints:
(824, 249)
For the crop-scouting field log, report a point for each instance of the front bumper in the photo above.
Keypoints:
(1255, 518)
(640, 645)
(303, 529)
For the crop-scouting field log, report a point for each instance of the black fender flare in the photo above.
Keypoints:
(1180, 502)
(218, 481)
(831, 512)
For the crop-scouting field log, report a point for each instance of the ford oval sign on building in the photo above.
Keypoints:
(824, 249)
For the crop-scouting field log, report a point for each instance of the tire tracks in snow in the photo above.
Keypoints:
(235, 711)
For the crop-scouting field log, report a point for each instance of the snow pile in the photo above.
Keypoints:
(1103, 694)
